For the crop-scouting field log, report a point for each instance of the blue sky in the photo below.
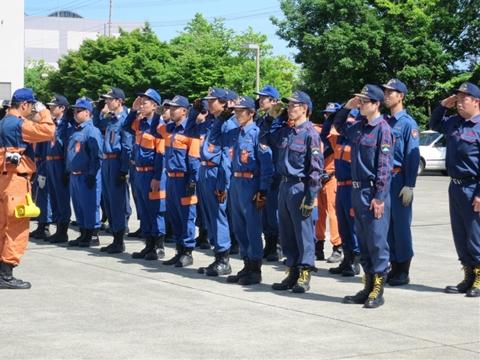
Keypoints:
(168, 17)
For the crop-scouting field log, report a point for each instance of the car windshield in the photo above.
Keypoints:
(427, 138)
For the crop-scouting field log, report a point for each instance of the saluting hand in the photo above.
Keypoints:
(476, 204)
(378, 208)
(449, 102)
(137, 103)
(353, 103)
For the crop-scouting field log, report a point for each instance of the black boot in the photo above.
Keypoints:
(474, 291)
(319, 246)
(41, 232)
(136, 234)
(375, 298)
(87, 240)
(77, 241)
(254, 273)
(151, 254)
(177, 256)
(361, 296)
(221, 265)
(303, 282)
(235, 278)
(201, 241)
(336, 255)
(270, 252)
(95, 240)
(401, 277)
(169, 233)
(7, 281)
(354, 267)
(159, 244)
(393, 270)
(465, 284)
(346, 262)
(61, 235)
(148, 248)
(290, 280)
(117, 246)
(186, 258)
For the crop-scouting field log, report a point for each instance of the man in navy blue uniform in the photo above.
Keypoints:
(268, 100)
(251, 169)
(372, 147)
(300, 163)
(406, 158)
(117, 149)
(463, 166)
(58, 179)
(84, 158)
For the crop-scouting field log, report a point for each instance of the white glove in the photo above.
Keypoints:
(42, 181)
(38, 107)
(407, 195)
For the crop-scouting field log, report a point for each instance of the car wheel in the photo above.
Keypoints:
(421, 167)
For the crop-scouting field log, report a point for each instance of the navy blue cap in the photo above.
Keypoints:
(397, 85)
(83, 103)
(152, 95)
(244, 102)
(332, 107)
(371, 92)
(58, 100)
(23, 94)
(178, 101)
(165, 102)
(299, 97)
(216, 93)
(269, 90)
(231, 95)
(470, 89)
(114, 93)
(354, 112)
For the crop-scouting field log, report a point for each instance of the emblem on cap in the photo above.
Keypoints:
(364, 90)
(330, 106)
(463, 87)
(391, 82)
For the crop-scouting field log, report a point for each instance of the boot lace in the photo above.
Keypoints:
(303, 277)
(476, 282)
(377, 286)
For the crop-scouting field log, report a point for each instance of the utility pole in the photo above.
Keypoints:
(110, 19)
(256, 47)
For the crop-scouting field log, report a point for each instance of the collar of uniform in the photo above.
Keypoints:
(300, 127)
(85, 123)
(182, 125)
(399, 114)
(375, 121)
(247, 127)
(475, 119)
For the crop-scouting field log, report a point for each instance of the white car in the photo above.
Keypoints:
(432, 152)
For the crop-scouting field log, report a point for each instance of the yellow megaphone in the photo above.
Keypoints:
(30, 210)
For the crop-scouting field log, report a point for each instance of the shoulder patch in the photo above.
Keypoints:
(385, 148)
(263, 147)
(414, 133)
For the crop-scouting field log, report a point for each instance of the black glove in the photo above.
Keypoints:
(90, 180)
(197, 104)
(66, 178)
(121, 178)
(191, 189)
(100, 104)
(226, 114)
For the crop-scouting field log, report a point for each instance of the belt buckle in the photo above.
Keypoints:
(356, 184)
(457, 181)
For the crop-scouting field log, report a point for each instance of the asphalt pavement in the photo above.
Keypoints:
(87, 305)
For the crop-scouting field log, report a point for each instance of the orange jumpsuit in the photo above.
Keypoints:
(16, 135)
(326, 201)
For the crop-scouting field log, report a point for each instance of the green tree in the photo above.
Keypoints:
(37, 75)
(344, 44)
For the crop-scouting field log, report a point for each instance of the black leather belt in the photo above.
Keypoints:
(463, 181)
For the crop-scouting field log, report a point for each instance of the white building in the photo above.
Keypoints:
(49, 37)
(12, 40)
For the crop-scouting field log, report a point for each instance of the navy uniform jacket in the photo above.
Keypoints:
(298, 154)
(406, 154)
(463, 144)
(84, 152)
(118, 140)
(372, 144)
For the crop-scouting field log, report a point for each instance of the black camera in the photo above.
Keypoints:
(13, 158)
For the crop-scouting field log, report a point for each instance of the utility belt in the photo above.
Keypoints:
(110, 156)
(144, 168)
(25, 175)
(244, 174)
(465, 181)
(363, 184)
(293, 179)
(175, 174)
(208, 163)
(344, 183)
(56, 157)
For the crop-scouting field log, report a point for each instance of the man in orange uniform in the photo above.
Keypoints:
(16, 168)
(326, 196)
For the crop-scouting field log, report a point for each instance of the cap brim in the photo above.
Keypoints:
(51, 104)
(287, 100)
(106, 96)
(174, 104)
(210, 98)
(384, 86)
(145, 95)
